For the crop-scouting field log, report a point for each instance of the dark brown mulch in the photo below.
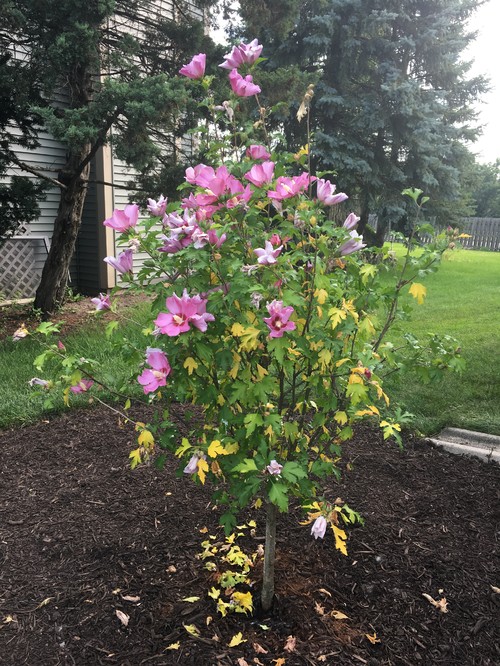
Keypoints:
(79, 531)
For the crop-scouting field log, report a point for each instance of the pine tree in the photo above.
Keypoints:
(106, 77)
(393, 101)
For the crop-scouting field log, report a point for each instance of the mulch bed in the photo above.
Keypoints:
(79, 531)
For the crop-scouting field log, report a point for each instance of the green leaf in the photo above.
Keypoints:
(278, 495)
(247, 465)
(252, 421)
(292, 471)
(111, 328)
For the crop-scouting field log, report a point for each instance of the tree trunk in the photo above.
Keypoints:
(267, 594)
(51, 291)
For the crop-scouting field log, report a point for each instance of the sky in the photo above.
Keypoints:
(485, 52)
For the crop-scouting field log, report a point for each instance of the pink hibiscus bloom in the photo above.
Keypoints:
(242, 54)
(124, 263)
(354, 244)
(243, 87)
(278, 322)
(289, 187)
(319, 527)
(261, 174)
(123, 220)
(196, 68)
(182, 312)
(257, 152)
(82, 386)
(152, 379)
(101, 302)
(157, 208)
(267, 255)
(325, 191)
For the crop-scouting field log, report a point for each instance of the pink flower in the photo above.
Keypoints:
(325, 191)
(36, 381)
(289, 187)
(196, 68)
(125, 219)
(192, 466)
(278, 321)
(200, 175)
(101, 302)
(82, 386)
(267, 255)
(153, 379)
(351, 221)
(260, 174)
(123, 263)
(257, 152)
(157, 208)
(183, 312)
(276, 239)
(274, 468)
(319, 527)
(242, 54)
(243, 87)
(354, 244)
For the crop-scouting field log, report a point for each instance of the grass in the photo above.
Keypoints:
(463, 300)
(21, 404)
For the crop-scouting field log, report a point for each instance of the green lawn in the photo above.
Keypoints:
(463, 300)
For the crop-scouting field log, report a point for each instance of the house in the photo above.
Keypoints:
(22, 257)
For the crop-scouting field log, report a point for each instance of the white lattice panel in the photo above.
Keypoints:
(18, 275)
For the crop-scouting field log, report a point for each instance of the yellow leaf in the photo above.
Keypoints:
(320, 311)
(127, 405)
(279, 662)
(258, 503)
(243, 600)
(269, 432)
(336, 316)
(185, 445)
(373, 639)
(237, 329)
(191, 600)
(214, 593)
(135, 458)
(203, 530)
(173, 646)
(216, 449)
(237, 639)
(340, 539)
(191, 629)
(341, 362)
(190, 364)
(418, 291)
(233, 447)
(340, 417)
(146, 439)
(233, 373)
(221, 399)
(321, 295)
(249, 338)
(349, 307)
(325, 356)
(202, 469)
(262, 372)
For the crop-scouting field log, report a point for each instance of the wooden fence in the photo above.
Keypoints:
(484, 233)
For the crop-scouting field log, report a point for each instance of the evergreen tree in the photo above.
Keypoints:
(75, 52)
(393, 101)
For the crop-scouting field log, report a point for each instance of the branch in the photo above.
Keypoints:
(35, 172)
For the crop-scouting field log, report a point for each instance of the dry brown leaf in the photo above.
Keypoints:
(134, 600)
(257, 661)
(259, 649)
(44, 602)
(290, 644)
(242, 662)
(123, 617)
(279, 662)
(373, 638)
(442, 604)
(322, 657)
(171, 569)
(319, 608)
(495, 589)
(338, 615)
(321, 589)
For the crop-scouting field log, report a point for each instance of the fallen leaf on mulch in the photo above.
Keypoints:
(259, 649)
(319, 608)
(191, 600)
(242, 662)
(134, 600)
(290, 644)
(338, 615)
(495, 589)
(442, 604)
(191, 629)
(373, 638)
(123, 617)
(173, 646)
(279, 662)
(237, 639)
